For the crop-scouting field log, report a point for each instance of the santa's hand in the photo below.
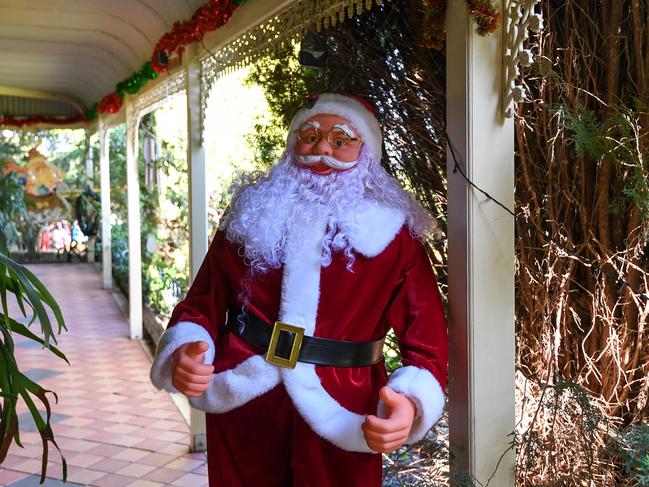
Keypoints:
(190, 375)
(387, 434)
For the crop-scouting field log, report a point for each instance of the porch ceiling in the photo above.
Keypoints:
(60, 56)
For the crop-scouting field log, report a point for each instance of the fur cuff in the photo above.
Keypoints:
(421, 386)
(179, 334)
(235, 387)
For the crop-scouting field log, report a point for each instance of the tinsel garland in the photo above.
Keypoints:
(211, 16)
(111, 103)
(39, 119)
(483, 12)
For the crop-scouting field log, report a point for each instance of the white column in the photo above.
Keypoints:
(480, 255)
(90, 182)
(90, 171)
(197, 210)
(104, 177)
(134, 227)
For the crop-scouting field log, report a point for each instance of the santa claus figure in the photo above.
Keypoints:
(280, 337)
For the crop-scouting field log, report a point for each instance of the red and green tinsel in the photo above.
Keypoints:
(483, 12)
(211, 16)
(111, 103)
(39, 119)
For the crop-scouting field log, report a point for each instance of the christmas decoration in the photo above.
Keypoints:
(111, 103)
(485, 16)
(39, 119)
(210, 16)
(136, 82)
(483, 12)
(92, 113)
(316, 234)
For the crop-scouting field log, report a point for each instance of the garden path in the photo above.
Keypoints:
(113, 427)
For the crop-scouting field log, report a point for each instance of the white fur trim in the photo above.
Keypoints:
(372, 227)
(421, 386)
(323, 413)
(235, 387)
(300, 294)
(360, 117)
(179, 334)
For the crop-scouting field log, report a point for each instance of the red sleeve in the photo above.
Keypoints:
(206, 300)
(417, 315)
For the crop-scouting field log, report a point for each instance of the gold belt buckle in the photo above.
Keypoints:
(271, 354)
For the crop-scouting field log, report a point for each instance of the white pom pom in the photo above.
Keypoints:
(525, 57)
(518, 92)
(536, 23)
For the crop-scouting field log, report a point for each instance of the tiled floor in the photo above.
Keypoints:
(113, 427)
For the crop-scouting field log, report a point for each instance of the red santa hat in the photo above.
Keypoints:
(357, 111)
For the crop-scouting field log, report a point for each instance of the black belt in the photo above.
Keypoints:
(286, 344)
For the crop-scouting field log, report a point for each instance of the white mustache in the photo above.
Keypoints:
(330, 161)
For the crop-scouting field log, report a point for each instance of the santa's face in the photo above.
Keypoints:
(327, 143)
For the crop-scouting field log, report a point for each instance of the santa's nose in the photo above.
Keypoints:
(322, 148)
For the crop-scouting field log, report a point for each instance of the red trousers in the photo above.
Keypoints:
(266, 443)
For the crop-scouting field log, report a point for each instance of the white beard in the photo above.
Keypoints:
(264, 206)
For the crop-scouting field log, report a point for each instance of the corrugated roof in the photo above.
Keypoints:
(77, 49)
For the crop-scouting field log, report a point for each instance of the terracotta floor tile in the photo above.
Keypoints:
(121, 428)
(105, 450)
(83, 460)
(8, 476)
(83, 475)
(110, 465)
(201, 470)
(153, 445)
(169, 436)
(131, 454)
(165, 475)
(78, 433)
(11, 460)
(136, 470)
(145, 483)
(184, 463)
(74, 444)
(175, 449)
(190, 480)
(156, 459)
(31, 466)
(113, 480)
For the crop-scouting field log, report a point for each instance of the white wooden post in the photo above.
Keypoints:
(134, 226)
(90, 182)
(197, 210)
(480, 256)
(90, 171)
(104, 178)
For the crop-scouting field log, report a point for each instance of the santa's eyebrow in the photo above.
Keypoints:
(345, 128)
(311, 123)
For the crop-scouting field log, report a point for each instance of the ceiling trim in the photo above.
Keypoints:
(43, 95)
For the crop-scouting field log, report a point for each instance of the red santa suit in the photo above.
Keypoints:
(274, 426)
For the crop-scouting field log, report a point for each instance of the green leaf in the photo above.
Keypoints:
(21, 329)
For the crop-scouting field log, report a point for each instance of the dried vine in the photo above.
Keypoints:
(582, 304)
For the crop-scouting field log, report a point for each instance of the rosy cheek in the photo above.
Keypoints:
(302, 149)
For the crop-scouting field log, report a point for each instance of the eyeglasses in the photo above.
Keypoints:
(336, 137)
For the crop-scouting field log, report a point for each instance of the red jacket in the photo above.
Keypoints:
(395, 288)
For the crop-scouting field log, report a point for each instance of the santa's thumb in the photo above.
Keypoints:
(197, 349)
(389, 397)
